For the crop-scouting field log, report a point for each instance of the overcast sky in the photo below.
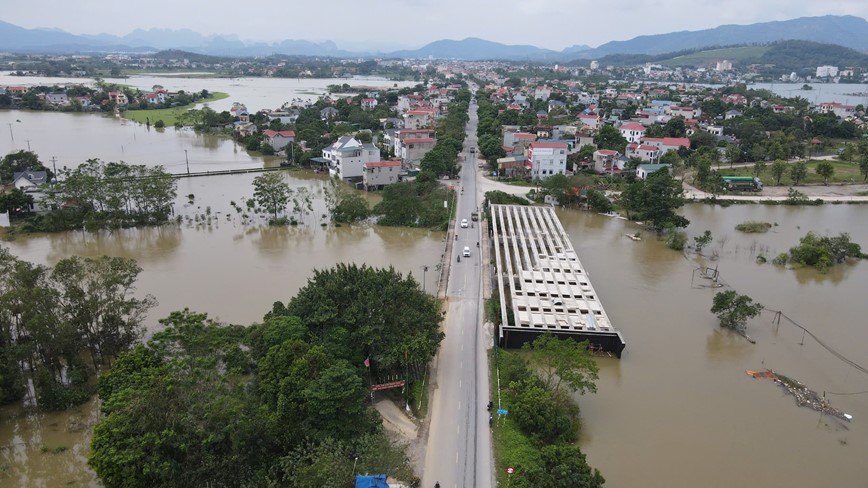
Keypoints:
(393, 24)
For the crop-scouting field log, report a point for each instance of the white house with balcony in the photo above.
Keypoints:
(632, 131)
(347, 157)
(546, 159)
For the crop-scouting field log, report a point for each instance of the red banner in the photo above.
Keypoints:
(388, 386)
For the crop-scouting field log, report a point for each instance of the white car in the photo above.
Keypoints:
(464, 223)
(466, 252)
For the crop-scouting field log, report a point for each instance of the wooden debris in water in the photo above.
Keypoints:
(805, 397)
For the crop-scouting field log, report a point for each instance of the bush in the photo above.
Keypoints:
(159, 124)
(822, 252)
(598, 202)
(781, 259)
(676, 240)
(752, 227)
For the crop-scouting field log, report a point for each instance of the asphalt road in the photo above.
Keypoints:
(458, 453)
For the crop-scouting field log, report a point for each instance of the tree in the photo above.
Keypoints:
(16, 162)
(733, 153)
(561, 466)
(863, 167)
(826, 170)
(271, 192)
(758, 168)
(779, 168)
(798, 172)
(15, 201)
(733, 310)
(563, 360)
(608, 137)
(599, 202)
(655, 200)
(702, 241)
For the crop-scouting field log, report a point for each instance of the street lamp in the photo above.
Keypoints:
(424, 273)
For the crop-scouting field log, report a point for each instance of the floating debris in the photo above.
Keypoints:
(805, 397)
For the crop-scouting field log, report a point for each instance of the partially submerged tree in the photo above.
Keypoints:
(271, 192)
(734, 310)
(563, 361)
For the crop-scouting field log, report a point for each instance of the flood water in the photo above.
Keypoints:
(678, 410)
(232, 270)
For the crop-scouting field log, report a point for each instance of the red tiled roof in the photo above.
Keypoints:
(281, 133)
(524, 135)
(418, 140)
(633, 126)
(548, 145)
(607, 152)
(382, 164)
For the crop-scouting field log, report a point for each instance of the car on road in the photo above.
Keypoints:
(464, 223)
(466, 252)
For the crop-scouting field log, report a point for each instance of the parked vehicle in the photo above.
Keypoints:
(742, 183)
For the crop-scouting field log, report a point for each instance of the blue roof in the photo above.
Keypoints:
(374, 481)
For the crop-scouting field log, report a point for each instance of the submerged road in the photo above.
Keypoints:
(458, 453)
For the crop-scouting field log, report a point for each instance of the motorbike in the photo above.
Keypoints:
(459, 259)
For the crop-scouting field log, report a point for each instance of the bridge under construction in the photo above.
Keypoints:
(542, 284)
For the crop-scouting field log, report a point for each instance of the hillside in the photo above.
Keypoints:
(844, 30)
(709, 56)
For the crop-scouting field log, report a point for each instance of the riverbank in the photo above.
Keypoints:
(170, 115)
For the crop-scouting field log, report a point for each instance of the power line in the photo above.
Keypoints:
(819, 341)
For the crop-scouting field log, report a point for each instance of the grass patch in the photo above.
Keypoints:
(511, 446)
(753, 227)
(169, 115)
(419, 398)
(845, 172)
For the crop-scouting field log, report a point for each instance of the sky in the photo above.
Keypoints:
(396, 24)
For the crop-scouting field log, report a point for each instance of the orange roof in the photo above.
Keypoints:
(382, 164)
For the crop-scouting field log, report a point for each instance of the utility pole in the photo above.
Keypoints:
(54, 165)
(28, 144)
(188, 161)
(424, 272)
(10, 132)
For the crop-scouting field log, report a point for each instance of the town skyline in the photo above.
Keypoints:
(381, 25)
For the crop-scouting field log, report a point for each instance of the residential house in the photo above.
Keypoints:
(28, 180)
(686, 112)
(644, 170)
(118, 97)
(57, 99)
(645, 152)
(347, 156)
(607, 161)
(512, 166)
(839, 109)
(378, 174)
(369, 103)
(553, 104)
(547, 159)
(591, 120)
(278, 139)
(632, 131)
(542, 93)
(731, 114)
(414, 149)
(16, 90)
(520, 141)
(328, 113)
(666, 144)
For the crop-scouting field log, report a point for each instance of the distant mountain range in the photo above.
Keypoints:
(847, 31)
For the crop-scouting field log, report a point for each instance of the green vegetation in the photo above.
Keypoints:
(701, 241)
(842, 172)
(701, 58)
(821, 252)
(536, 437)
(655, 200)
(498, 197)
(170, 115)
(18, 161)
(416, 203)
(281, 403)
(753, 227)
(271, 192)
(98, 195)
(676, 240)
(59, 326)
(734, 310)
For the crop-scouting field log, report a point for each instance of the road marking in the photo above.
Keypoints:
(459, 404)
(459, 387)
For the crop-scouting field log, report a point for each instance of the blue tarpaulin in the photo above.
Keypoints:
(375, 481)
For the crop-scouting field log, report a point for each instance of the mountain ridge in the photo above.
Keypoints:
(847, 31)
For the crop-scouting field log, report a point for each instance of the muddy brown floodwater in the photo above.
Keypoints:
(678, 410)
